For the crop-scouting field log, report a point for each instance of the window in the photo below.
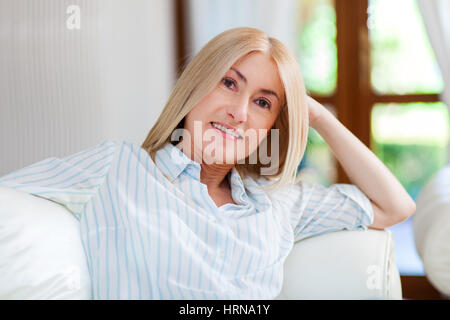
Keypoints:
(402, 60)
(384, 86)
(317, 51)
(409, 126)
(411, 139)
(317, 56)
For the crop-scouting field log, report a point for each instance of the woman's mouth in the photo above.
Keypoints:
(227, 133)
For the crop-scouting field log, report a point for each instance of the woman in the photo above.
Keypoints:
(197, 212)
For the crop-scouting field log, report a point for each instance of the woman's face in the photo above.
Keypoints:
(248, 98)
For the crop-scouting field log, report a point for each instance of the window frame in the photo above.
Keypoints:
(354, 107)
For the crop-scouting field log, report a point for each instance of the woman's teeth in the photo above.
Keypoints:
(225, 129)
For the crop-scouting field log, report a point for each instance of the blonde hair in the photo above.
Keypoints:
(206, 70)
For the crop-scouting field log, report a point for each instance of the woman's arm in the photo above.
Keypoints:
(390, 201)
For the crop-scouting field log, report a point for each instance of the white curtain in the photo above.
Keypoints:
(436, 16)
(208, 18)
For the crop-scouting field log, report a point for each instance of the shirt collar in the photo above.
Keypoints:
(172, 161)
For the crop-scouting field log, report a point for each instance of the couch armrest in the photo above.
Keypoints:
(41, 253)
(343, 265)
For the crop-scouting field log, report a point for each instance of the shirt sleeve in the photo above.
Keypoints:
(314, 209)
(69, 181)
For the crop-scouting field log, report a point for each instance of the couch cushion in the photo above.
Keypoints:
(41, 254)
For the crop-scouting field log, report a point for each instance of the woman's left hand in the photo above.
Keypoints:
(315, 110)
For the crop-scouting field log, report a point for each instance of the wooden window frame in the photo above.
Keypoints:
(354, 97)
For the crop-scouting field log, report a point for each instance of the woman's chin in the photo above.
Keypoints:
(218, 158)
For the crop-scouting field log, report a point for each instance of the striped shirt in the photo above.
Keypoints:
(151, 230)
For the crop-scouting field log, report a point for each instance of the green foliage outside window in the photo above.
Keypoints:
(317, 51)
(402, 58)
(411, 140)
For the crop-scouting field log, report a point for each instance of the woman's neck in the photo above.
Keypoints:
(215, 175)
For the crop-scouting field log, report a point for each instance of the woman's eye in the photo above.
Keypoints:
(227, 82)
(265, 104)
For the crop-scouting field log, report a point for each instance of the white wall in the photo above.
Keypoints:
(63, 90)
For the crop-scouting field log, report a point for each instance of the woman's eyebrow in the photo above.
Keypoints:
(266, 91)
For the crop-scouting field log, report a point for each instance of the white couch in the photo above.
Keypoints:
(431, 223)
(42, 257)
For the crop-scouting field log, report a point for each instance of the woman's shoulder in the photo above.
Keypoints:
(298, 187)
(117, 144)
(104, 146)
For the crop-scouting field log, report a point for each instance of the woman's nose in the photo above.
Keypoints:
(239, 110)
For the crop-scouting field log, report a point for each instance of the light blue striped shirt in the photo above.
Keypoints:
(151, 231)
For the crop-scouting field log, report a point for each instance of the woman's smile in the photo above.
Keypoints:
(227, 132)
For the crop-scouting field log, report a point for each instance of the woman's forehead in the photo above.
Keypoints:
(259, 69)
